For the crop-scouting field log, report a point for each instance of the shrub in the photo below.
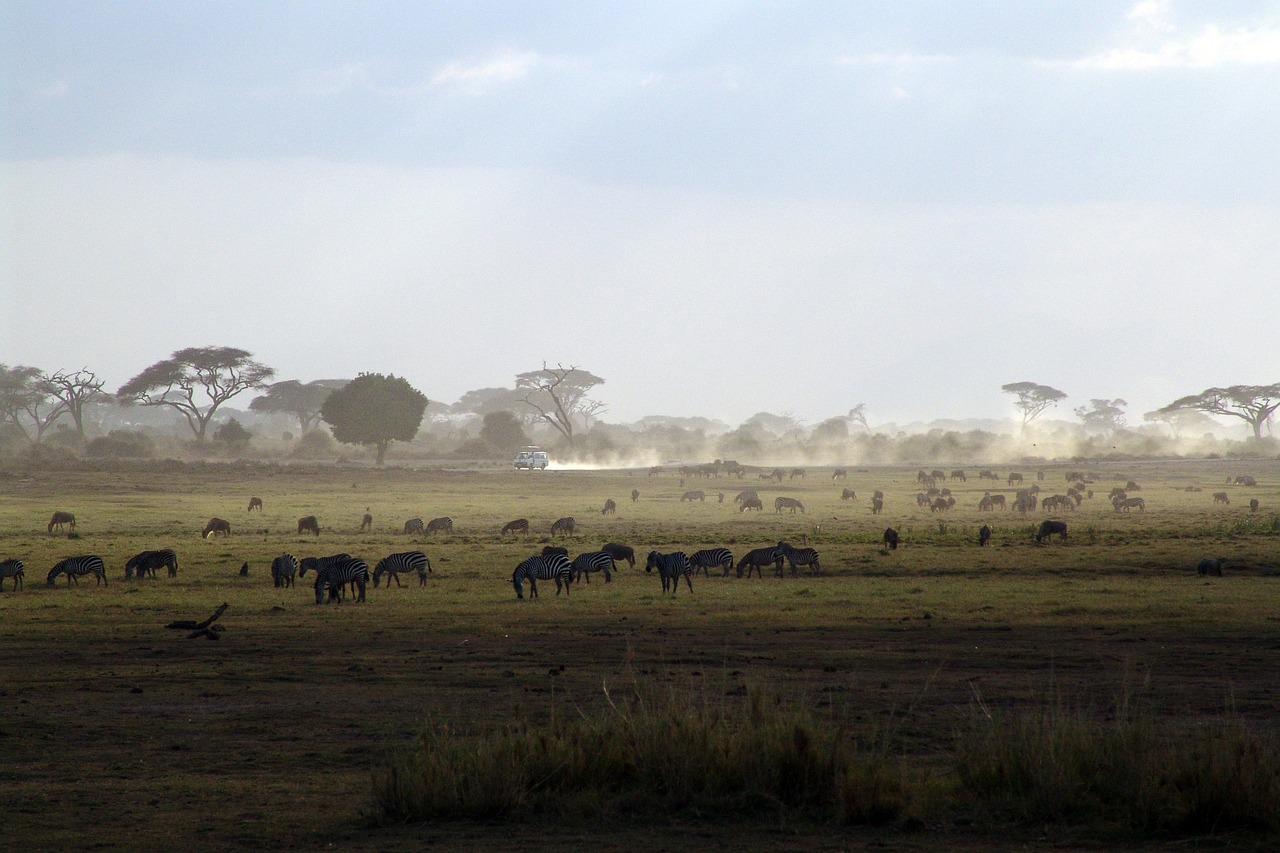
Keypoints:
(315, 444)
(121, 444)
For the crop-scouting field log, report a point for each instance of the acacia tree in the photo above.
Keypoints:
(375, 410)
(291, 397)
(858, 415)
(1253, 404)
(558, 396)
(1103, 415)
(195, 382)
(27, 399)
(1180, 421)
(75, 390)
(1032, 399)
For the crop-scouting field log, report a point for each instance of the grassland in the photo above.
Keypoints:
(119, 734)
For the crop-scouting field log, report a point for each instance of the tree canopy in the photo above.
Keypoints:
(29, 399)
(1032, 399)
(1103, 415)
(292, 397)
(195, 382)
(1254, 404)
(376, 410)
(558, 396)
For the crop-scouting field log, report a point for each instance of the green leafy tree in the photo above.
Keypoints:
(559, 396)
(375, 410)
(1253, 404)
(27, 399)
(292, 397)
(1106, 416)
(502, 432)
(195, 382)
(233, 435)
(1032, 399)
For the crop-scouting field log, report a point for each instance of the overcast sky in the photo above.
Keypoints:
(720, 207)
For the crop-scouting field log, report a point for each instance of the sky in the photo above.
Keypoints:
(721, 208)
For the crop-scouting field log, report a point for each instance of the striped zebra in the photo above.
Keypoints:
(799, 557)
(592, 561)
(405, 561)
(670, 567)
(761, 557)
(283, 570)
(779, 504)
(564, 526)
(74, 567)
(12, 569)
(315, 564)
(336, 575)
(709, 557)
(147, 562)
(551, 566)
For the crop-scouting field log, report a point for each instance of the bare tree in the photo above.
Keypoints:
(1253, 404)
(77, 389)
(195, 382)
(558, 395)
(858, 415)
(27, 400)
(1033, 399)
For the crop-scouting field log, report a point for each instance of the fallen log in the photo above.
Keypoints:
(192, 625)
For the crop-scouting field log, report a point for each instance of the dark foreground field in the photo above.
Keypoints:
(119, 734)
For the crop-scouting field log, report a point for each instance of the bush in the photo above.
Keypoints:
(121, 444)
(315, 444)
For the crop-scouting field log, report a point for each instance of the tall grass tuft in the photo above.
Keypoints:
(659, 753)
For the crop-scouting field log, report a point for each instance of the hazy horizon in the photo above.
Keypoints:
(719, 208)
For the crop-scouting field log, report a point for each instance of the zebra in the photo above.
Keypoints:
(550, 567)
(760, 557)
(283, 570)
(564, 526)
(12, 569)
(791, 503)
(670, 567)
(73, 567)
(609, 507)
(148, 561)
(620, 553)
(519, 525)
(406, 561)
(316, 564)
(709, 557)
(693, 496)
(593, 561)
(799, 556)
(337, 575)
(444, 524)
(413, 525)
(60, 518)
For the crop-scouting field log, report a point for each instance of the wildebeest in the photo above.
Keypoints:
(255, 503)
(609, 507)
(779, 504)
(1014, 478)
(985, 504)
(848, 495)
(1253, 505)
(12, 569)
(1245, 480)
(1210, 566)
(444, 524)
(620, 553)
(693, 496)
(984, 535)
(890, 539)
(751, 503)
(60, 518)
(413, 525)
(550, 550)
(797, 472)
(1221, 498)
(518, 525)
(635, 495)
(564, 526)
(877, 505)
(366, 523)
(308, 524)
(1049, 528)
(216, 525)
(839, 474)
(958, 474)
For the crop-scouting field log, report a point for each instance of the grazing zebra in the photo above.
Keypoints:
(745, 495)
(609, 507)
(984, 535)
(635, 495)
(890, 539)
(549, 567)
(693, 496)
(255, 503)
(1221, 498)
(799, 557)
(787, 503)
(1049, 528)
(315, 564)
(709, 557)
(366, 523)
(216, 525)
(283, 570)
(338, 574)
(797, 472)
(60, 518)
(519, 525)
(74, 567)
(760, 557)
(564, 526)
(670, 567)
(406, 561)
(592, 561)
(444, 524)
(12, 569)
(149, 561)
(308, 524)
(620, 553)
(1126, 504)
(413, 525)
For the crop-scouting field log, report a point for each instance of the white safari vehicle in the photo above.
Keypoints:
(532, 457)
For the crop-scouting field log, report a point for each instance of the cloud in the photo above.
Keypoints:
(480, 75)
(1158, 45)
(59, 89)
